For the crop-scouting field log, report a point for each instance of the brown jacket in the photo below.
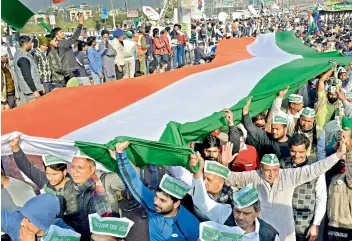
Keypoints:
(159, 47)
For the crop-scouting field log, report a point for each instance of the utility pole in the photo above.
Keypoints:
(113, 14)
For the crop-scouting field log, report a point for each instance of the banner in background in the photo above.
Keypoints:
(151, 13)
(132, 14)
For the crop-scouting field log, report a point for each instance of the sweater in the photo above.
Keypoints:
(276, 199)
(64, 48)
(183, 227)
(43, 65)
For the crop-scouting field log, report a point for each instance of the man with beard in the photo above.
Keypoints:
(276, 142)
(211, 148)
(306, 125)
(243, 211)
(26, 71)
(167, 218)
(309, 199)
(327, 102)
(9, 88)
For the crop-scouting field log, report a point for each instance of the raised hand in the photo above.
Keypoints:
(193, 161)
(121, 146)
(226, 155)
(282, 93)
(14, 144)
(229, 117)
(246, 107)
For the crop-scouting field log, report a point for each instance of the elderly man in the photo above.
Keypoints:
(243, 211)
(85, 194)
(276, 187)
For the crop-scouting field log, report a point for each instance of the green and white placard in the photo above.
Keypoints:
(174, 187)
(216, 168)
(212, 231)
(51, 160)
(56, 233)
(117, 227)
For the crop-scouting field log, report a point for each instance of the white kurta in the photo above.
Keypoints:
(276, 199)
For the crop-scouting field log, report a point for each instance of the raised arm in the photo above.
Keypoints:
(67, 43)
(258, 134)
(36, 175)
(277, 103)
(140, 192)
(307, 173)
(234, 134)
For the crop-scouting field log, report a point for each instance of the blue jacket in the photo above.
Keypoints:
(95, 59)
(150, 49)
(183, 227)
(11, 224)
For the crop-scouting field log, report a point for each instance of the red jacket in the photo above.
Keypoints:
(165, 39)
(159, 47)
(181, 39)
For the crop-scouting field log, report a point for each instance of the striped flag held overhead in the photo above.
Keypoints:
(160, 114)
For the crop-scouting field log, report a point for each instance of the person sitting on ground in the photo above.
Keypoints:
(199, 54)
(162, 66)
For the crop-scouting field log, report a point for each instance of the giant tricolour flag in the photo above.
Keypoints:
(18, 12)
(161, 113)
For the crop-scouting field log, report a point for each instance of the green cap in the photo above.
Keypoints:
(270, 159)
(174, 187)
(332, 89)
(216, 168)
(116, 227)
(309, 112)
(212, 231)
(293, 98)
(81, 154)
(129, 34)
(245, 197)
(348, 95)
(51, 160)
(280, 119)
(56, 233)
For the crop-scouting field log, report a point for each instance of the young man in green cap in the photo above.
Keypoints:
(275, 142)
(52, 180)
(306, 125)
(295, 105)
(327, 103)
(309, 199)
(276, 187)
(243, 210)
(167, 218)
(42, 61)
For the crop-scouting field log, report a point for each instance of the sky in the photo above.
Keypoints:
(131, 4)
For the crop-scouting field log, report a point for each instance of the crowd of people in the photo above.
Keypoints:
(42, 64)
(284, 174)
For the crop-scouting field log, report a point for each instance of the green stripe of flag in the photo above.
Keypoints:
(15, 13)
